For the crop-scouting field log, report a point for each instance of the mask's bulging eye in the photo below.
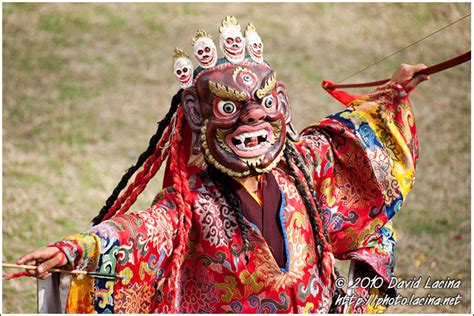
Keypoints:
(247, 78)
(226, 108)
(268, 101)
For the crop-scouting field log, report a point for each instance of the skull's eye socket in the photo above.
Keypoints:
(207, 49)
(185, 70)
(178, 72)
(226, 108)
(200, 52)
(229, 40)
(268, 101)
(255, 45)
(238, 40)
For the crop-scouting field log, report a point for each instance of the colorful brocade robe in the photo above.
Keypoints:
(362, 161)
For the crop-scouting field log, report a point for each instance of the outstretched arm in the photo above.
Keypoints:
(369, 152)
(364, 161)
(137, 246)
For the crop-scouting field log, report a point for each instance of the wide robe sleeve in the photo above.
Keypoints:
(363, 160)
(136, 246)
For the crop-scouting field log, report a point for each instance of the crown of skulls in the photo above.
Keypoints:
(232, 43)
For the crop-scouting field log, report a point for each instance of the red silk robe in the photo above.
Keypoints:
(362, 161)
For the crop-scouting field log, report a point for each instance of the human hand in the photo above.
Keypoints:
(44, 258)
(405, 74)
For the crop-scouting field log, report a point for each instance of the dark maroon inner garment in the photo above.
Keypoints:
(267, 218)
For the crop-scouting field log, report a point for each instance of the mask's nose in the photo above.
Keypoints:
(253, 113)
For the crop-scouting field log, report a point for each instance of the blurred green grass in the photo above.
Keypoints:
(85, 84)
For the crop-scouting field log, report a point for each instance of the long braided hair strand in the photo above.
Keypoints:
(184, 202)
(234, 203)
(113, 202)
(294, 155)
(150, 169)
(295, 164)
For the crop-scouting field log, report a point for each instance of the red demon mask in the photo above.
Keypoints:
(240, 116)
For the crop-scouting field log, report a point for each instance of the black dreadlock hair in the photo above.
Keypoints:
(309, 182)
(141, 159)
(293, 154)
(234, 202)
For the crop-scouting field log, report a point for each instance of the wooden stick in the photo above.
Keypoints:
(453, 62)
(92, 274)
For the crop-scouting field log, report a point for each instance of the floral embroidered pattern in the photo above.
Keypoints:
(217, 219)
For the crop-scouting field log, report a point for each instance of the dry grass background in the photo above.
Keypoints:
(85, 84)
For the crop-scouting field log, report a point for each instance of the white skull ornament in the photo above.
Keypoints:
(231, 41)
(254, 43)
(183, 68)
(204, 49)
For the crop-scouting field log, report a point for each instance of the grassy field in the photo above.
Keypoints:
(85, 84)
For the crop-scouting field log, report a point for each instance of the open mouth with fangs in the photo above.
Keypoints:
(251, 141)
